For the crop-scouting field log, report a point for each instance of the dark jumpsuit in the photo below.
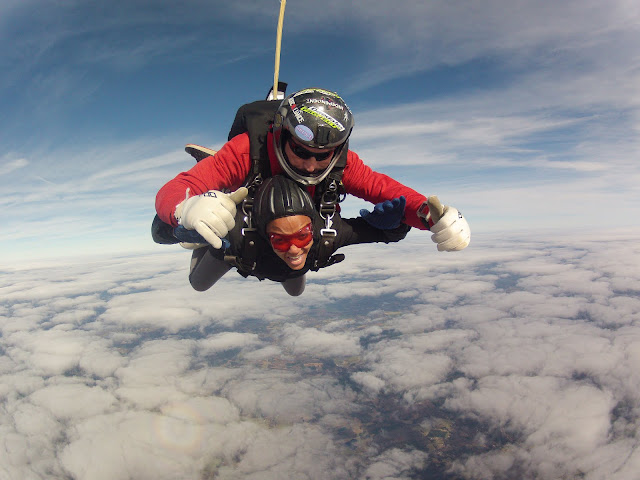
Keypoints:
(208, 264)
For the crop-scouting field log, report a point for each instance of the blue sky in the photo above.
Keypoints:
(521, 114)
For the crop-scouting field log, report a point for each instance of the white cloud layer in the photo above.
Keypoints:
(516, 358)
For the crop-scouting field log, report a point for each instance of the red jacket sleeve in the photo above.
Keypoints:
(228, 168)
(361, 181)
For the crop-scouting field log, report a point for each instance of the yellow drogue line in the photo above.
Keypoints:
(276, 71)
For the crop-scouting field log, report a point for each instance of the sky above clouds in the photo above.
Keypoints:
(522, 354)
(521, 114)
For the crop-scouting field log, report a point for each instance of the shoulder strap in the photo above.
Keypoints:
(256, 119)
(331, 190)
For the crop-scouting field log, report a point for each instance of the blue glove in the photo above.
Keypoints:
(192, 236)
(386, 215)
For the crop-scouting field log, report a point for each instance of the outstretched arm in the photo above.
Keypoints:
(451, 232)
(449, 229)
(382, 224)
(356, 230)
(224, 171)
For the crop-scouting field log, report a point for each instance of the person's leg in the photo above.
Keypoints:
(295, 286)
(206, 269)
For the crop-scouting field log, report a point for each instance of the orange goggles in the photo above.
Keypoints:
(300, 239)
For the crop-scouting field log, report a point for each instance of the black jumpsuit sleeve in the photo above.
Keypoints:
(351, 231)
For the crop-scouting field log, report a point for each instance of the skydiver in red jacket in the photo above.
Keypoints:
(308, 142)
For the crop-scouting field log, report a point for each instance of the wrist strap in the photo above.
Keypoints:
(424, 214)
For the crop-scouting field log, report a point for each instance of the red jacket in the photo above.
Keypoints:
(230, 166)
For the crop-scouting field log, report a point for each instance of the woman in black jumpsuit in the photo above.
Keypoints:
(281, 198)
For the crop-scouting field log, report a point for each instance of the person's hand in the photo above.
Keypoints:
(451, 231)
(211, 214)
(385, 215)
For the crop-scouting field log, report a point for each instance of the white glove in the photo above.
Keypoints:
(451, 232)
(211, 214)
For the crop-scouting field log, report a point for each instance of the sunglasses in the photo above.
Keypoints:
(300, 239)
(304, 154)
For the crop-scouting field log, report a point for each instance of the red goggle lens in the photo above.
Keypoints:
(300, 239)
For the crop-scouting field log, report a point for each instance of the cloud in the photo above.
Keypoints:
(514, 358)
(530, 33)
(9, 166)
(316, 342)
(395, 462)
(228, 340)
(67, 401)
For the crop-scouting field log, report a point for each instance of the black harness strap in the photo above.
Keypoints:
(256, 119)
(329, 193)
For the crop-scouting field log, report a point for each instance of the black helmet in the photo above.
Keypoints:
(277, 197)
(316, 118)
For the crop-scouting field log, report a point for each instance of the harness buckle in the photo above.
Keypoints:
(329, 232)
(328, 222)
(247, 207)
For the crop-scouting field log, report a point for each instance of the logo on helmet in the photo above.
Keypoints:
(304, 132)
(295, 110)
(323, 101)
(328, 119)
